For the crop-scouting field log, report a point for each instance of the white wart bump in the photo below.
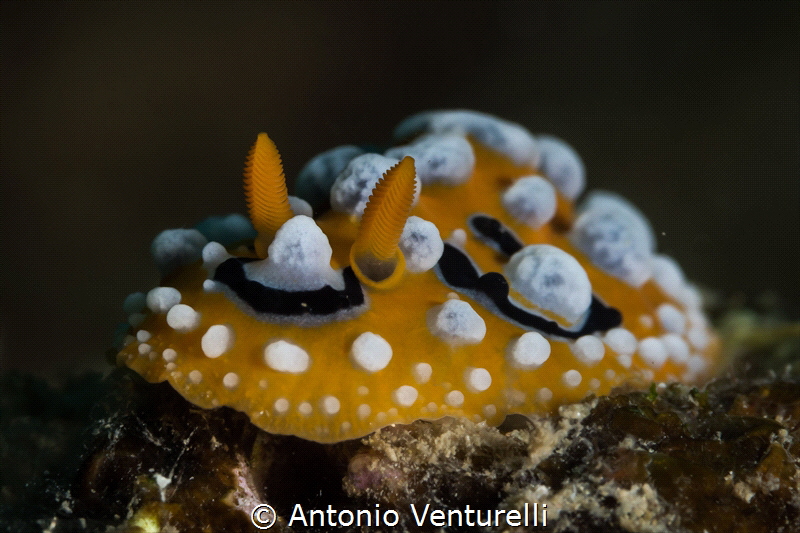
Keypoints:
(698, 337)
(330, 405)
(588, 349)
(621, 341)
(616, 237)
(529, 351)
(162, 299)
(421, 244)
(217, 340)
(653, 351)
(550, 278)
(405, 396)
(370, 352)
(477, 379)
(286, 357)
(677, 348)
(544, 395)
(671, 318)
(531, 200)
(231, 380)
(214, 254)
(456, 322)
(281, 406)
(454, 398)
(447, 159)
(422, 372)
(299, 259)
(571, 378)
(562, 164)
(182, 318)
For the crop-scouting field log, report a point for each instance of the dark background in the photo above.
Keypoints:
(122, 119)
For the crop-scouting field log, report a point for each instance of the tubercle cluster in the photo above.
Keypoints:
(452, 275)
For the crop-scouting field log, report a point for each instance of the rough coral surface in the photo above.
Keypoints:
(724, 458)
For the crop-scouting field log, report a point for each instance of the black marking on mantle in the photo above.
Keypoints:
(495, 234)
(491, 290)
(263, 299)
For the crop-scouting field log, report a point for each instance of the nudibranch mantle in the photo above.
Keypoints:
(451, 276)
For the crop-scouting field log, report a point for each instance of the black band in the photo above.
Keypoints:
(457, 271)
(495, 234)
(263, 299)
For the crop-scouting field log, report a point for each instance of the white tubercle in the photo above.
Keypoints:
(217, 340)
(588, 349)
(421, 244)
(531, 200)
(616, 237)
(286, 357)
(370, 352)
(550, 278)
(299, 259)
(529, 351)
(162, 299)
(183, 318)
(456, 322)
(562, 165)
(353, 187)
(506, 137)
(446, 159)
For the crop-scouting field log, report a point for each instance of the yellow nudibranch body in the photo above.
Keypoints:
(449, 276)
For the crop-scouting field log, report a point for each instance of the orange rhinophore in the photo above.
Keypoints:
(375, 256)
(266, 193)
(449, 276)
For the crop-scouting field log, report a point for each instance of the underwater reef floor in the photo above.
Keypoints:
(118, 454)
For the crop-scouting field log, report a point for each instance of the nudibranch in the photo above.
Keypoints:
(452, 275)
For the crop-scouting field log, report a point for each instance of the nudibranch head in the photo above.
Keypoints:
(452, 275)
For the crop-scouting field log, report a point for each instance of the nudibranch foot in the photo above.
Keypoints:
(451, 276)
